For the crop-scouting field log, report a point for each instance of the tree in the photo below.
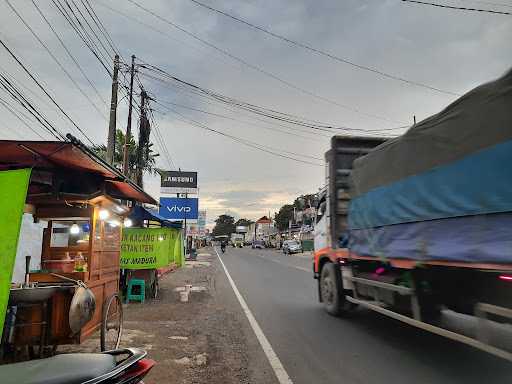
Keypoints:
(305, 201)
(283, 217)
(224, 225)
(149, 161)
(243, 222)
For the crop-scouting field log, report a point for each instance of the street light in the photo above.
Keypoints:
(127, 223)
(104, 214)
(75, 229)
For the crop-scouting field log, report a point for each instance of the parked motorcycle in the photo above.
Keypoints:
(121, 366)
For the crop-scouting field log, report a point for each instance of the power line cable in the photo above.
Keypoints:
(188, 92)
(69, 52)
(161, 141)
(18, 96)
(294, 134)
(105, 49)
(44, 90)
(267, 112)
(17, 114)
(85, 39)
(243, 141)
(324, 53)
(261, 70)
(457, 8)
(199, 48)
(77, 86)
(101, 27)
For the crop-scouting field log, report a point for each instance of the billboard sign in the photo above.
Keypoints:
(173, 208)
(178, 182)
(241, 229)
(201, 219)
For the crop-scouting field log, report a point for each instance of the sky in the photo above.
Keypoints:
(446, 49)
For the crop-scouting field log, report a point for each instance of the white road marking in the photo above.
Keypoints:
(288, 265)
(275, 363)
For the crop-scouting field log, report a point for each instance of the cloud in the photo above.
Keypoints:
(447, 49)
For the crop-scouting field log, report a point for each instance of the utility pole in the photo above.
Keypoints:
(143, 138)
(126, 164)
(111, 141)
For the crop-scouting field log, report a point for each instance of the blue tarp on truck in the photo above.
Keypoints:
(443, 190)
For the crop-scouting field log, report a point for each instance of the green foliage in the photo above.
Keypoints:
(243, 222)
(224, 225)
(305, 201)
(149, 160)
(283, 217)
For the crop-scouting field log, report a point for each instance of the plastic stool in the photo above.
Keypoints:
(142, 288)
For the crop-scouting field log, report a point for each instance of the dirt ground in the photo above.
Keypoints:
(200, 341)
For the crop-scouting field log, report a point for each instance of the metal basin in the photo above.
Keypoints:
(31, 295)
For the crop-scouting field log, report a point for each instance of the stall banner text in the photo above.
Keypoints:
(148, 248)
(13, 192)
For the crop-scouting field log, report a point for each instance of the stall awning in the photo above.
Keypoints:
(72, 156)
(140, 214)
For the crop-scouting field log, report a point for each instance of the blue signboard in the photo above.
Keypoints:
(174, 208)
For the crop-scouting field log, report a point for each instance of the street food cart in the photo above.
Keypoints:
(154, 236)
(76, 290)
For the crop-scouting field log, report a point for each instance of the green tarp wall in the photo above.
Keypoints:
(13, 192)
(150, 248)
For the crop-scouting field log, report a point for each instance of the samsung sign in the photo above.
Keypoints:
(179, 179)
(173, 208)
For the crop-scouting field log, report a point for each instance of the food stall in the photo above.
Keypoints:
(74, 291)
(150, 248)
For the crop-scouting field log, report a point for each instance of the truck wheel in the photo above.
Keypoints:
(332, 292)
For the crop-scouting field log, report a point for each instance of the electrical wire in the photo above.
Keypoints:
(18, 96)
(44, 90)
(160, 140)
(54, 58)
(199, 48)
(244, 141)
(324, 53)
(101, 27)
(77, 64)
(294, 134)
(458, 8)
(17, 114)
(85, 39)
(261, 70)
(106, 51)
(267, 112)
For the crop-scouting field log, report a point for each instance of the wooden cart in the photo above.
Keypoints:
(101, 253)
(79, 196)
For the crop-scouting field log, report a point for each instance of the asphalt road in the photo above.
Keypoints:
(365, 348)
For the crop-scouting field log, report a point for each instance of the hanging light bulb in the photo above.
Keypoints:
(127, 223)
(104, 214)
(75, 229)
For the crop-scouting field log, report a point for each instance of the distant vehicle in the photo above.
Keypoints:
(237, 240)
(258, 244)
(292, 246)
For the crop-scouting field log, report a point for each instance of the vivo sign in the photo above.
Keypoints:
(174, 208)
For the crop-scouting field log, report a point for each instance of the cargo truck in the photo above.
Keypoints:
(419, 227)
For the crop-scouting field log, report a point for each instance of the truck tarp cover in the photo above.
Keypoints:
(443, 190)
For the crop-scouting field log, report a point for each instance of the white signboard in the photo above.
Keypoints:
(176, 190)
